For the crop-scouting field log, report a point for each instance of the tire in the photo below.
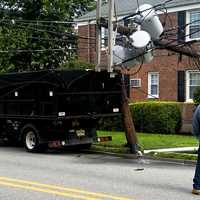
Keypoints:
(32, 142)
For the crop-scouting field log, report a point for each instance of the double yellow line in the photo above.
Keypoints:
(56, 190)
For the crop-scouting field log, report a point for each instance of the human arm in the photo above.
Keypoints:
(196, 123)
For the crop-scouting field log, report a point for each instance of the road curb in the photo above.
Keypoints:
(172, 160)
(134, 156)
(130, 156)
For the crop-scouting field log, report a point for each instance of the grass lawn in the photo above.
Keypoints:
(149, 141)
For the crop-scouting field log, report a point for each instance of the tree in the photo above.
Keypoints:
(31, 36)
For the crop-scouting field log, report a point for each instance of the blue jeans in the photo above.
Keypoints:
(196, 179)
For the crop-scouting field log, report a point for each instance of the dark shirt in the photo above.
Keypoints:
(196, 122)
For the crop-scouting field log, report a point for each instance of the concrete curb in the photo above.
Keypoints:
(175, 150)
(129, 156)
(172, 160)
(133, 156)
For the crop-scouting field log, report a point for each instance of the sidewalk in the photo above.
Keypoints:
(179, 149)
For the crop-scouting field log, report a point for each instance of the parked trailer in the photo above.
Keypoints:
(56, 108)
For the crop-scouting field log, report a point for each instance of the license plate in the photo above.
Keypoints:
(80, 133)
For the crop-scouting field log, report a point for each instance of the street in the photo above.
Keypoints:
(58, 175)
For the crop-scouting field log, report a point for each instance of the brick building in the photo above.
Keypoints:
(169, 76)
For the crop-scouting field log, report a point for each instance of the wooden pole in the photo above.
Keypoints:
(110, 35)
(128, 121)
(98, 36)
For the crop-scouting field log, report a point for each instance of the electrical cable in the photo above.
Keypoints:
(42, 21)
(182, 43)
(13, 22)
(153, 7)
(138, 70)
(30, 50)
(52, 32)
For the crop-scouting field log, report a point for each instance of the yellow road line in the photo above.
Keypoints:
(54, 187)
(46, 191)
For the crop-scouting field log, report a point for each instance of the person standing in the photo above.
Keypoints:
(196, 132)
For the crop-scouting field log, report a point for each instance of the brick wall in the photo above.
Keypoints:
(86, 43)
(187, 110)
(167, 66)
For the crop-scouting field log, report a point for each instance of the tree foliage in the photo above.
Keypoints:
(30, 37)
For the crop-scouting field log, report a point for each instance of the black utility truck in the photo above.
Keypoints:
(56, 108)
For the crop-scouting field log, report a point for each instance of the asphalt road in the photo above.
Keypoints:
(64, 175)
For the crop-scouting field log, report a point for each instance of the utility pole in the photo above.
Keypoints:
(110, 36)
(127, 117)
(98, 36)
(129, 127)
(128, 122)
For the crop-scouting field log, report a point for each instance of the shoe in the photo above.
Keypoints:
(196, 191)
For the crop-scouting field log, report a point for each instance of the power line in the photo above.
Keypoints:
(40, 50)
(183, 43)
(72, 35)
(158, 6)
(30, 24)
(41, 21)
(39, 30)
(30, 50)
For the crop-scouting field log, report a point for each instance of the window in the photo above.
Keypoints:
(193, 19)
(153, 85)
(104, 37)
(192, 82)
(135, 83)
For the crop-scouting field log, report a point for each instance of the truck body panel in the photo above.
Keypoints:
(60, 105)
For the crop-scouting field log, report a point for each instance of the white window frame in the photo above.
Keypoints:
(188, 99)
(135, 79)
(187, 32)
(151, 96)
(103, 38)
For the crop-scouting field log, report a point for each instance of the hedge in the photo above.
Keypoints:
(156, 117)
(111, 124)
(149, 117)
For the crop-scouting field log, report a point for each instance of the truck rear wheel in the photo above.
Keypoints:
(32, 143)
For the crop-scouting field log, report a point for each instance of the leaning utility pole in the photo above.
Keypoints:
(127, 117)
(129, 127)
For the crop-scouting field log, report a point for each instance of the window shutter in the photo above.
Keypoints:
(181, 26)
(181, 86)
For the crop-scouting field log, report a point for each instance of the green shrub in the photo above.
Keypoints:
(77, 64)
(149, 117)
(111, 124)
(196, 96)
(156, 117)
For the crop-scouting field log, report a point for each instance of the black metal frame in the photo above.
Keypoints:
(82, 95)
